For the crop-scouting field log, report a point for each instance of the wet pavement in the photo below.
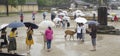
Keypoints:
(107, 45)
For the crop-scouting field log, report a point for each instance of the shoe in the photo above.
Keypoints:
(82, 40)
(93, 50)
(48, 50)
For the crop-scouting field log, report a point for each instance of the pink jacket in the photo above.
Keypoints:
(49, 34)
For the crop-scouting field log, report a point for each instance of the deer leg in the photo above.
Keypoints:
(65, 36)
(70, 37)
(73, 37)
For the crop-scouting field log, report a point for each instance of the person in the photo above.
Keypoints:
(33, 17)
(83, 32)
(68, 23)
(3, 36)
(93, 33)
(29, 39)
(49, 37)
(44, 15)
(53, 15)
(21, 16)
(115, 18)
(79, 31)
(12, 40)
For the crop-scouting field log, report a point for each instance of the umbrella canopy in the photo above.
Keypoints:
(113, 14)
(66, 18)
(3, 26)
(46, 23)
(78, 11)
(61, 13)
(29, 24)
(80, 20)
(57, 19)
(15, 24)
(92, 22)
(80, 14)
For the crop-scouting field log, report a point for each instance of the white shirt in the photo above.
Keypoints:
(79, 28)
(83, 28)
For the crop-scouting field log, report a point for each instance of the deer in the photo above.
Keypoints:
(69, 32)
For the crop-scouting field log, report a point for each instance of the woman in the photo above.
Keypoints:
(12, 40)
(93, 33)
(3, 36)
(29, 39)
(49, 37)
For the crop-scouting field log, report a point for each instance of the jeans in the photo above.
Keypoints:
(79, 35)
(94, 41)
(48, 44)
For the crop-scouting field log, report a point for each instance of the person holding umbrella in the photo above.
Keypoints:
(12, 40)
(3, 36)
(49, 37)
(29, 39)
(93, 31)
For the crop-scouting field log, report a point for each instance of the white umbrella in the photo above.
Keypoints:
(46, 23)
(3, 26)
(80, 14)
(65, 12)
(80, 20)
(57, 19)
(61, 13)
(78, 11)
(66, 18)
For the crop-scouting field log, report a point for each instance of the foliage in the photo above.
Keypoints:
(52, 2)
(21, 2)
(14, 3)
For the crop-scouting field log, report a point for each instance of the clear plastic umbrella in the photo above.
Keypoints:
(80, 20)
(46, 23)
(57, 19)
(3, 26)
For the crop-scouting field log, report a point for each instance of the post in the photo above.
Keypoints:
(7, 9)
(102, 15)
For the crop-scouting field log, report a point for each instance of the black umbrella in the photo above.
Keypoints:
(29, 24)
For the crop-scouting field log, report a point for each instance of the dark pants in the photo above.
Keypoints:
(79, 35)
(48, 44)
(52, 17)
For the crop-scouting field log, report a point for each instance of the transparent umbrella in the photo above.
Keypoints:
(3, 26)
(80, 20)
(46, 23)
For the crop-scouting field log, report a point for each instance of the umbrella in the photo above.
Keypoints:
(57, 19)
(15, 24)
(92, 22)
(3, 26)
(78, 11)
(29, 24)
(81, 14)
(80, 20)
(61, 13)
(66, 18)
(46, 23)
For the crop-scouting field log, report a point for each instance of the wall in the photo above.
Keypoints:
(24, 8)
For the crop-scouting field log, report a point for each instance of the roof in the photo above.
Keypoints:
(81, 2)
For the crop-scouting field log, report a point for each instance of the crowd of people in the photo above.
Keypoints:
(63, 21)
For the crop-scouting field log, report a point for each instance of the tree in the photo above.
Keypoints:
(13, 3)
(21, 2)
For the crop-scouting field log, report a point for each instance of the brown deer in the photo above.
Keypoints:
(71, 33)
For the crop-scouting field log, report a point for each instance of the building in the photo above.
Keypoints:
(30, 5)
